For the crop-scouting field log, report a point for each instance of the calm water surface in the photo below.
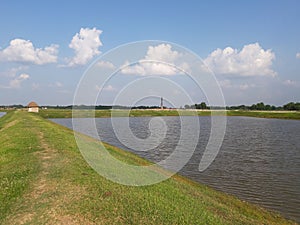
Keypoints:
(259, 160)
(2, 114)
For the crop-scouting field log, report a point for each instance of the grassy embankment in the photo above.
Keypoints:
(267, 114)
(44, 179)
(67, 113)
(60, 113)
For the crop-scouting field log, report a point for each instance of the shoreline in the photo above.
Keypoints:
(68, 113)
(55, 174)
(241, 189)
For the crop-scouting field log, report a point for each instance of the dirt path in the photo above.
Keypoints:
(44, 203)
(40, 187)
(45, 156)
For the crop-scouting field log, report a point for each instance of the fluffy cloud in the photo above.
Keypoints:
(159, 60)
(20, 50)
(252, 60)
(86, 45)
(12, 72)
(109, 88)
(106, 88)
(162, 52)
(227, 84)
(105, 64)
(298, 55)
(16, 83)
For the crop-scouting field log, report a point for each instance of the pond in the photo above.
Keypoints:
(259, 160)
(2, 114)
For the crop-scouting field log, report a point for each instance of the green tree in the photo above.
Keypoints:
(268, 107)
(203, 105)
(260, 106)
(292, 106)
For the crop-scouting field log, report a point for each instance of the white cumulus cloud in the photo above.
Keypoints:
(86, 45)
(20, 50)
(16, 83)
(252, 60)
(105, 64)
(109, 88)
(12, 72)
(298, 55)
(106, 88)
(159, 60)
(227, 84)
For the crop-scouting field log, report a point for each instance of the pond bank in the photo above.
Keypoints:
(44, 179)
(67, 113)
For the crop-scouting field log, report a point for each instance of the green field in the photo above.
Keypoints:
(45, 180)
(67, 113)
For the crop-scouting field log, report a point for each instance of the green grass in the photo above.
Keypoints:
(18, 165)
(67, 113)
(265, 114)
(44, 179)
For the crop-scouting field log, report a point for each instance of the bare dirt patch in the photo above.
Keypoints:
(46, 156)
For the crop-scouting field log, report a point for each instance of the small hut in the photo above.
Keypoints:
(33, 107)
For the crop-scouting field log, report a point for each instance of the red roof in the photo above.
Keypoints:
(32, 105)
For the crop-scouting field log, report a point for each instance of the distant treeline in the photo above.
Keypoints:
(97, 107)
(202, 105)
(262, 106)
(105, 107)
(258, 106)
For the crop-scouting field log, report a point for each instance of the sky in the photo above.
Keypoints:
(251, 47)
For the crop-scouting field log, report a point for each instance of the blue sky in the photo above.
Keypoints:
(251, 46)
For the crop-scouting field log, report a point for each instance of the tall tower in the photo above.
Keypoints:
(161, 103)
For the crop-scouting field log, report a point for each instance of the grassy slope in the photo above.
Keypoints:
(265, 114)
(60, 113)
(67, 113)
(44, 179)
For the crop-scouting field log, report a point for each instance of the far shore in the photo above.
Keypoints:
(68, 113)
(99, 113)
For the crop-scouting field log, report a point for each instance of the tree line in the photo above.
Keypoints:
(257, 106)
